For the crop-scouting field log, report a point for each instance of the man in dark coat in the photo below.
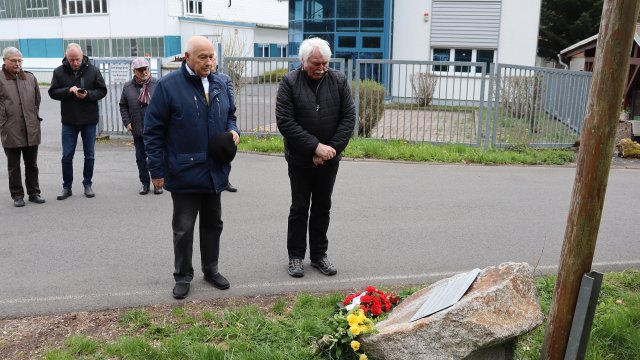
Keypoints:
(78, 85)
(316, 116)
(190, 116)
(134, 101)
(20, 126)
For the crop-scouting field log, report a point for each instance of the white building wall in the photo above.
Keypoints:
(142, 18)
(271, 36)
(410, 32)
(271, 12)
(519, 23)
(577, 63)
(518, 36)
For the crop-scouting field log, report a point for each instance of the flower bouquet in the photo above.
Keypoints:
(354, 318)
(372, 301)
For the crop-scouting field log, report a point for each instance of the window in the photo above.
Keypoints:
(441, 55)
(348, 9)
(463, 55)
(134, 47)
(346, 41)
(318, 9)
(37, 5)
(372, 9)
(261, 50)
(485, 56)
(77, 7)
(193, 7)
(371, 42)
(282, 50)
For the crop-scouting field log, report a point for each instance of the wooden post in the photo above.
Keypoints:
(594, 159)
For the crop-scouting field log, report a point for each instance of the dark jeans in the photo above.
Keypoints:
(310, 187)
(186, 207)
(30, 157)
(141, 160)
(69, 142)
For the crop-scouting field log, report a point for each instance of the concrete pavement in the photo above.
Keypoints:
(392, 224)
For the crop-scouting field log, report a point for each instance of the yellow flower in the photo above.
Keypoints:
(355, 345)
(352, 319)
(355, 330)
(361, 317)
(363, 357)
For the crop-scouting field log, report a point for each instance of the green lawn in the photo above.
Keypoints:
(424, 152)
(288, 327)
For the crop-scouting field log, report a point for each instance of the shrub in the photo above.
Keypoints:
(520, 96)
(273, 76)
(371, 105)
(423, 85)
(235, 70)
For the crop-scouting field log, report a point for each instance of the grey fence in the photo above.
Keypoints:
(417, 101)
(424, 101)
(539, 107)
(116, 72)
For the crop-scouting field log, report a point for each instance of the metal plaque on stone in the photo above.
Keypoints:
(446, 294)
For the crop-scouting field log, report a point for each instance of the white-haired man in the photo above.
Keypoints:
(316, 116)
(20, 126)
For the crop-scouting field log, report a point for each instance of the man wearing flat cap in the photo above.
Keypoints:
(134, 101)
(190, 113)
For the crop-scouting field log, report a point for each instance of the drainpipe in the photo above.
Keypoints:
(561, 63)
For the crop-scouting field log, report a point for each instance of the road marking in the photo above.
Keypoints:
(368, 280)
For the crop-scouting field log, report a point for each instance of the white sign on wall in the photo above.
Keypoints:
(119, 73)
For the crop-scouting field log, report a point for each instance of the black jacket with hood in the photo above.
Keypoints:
(74, 111)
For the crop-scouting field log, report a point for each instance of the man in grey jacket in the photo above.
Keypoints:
(316, 116)
(136, 94)
(20, 126)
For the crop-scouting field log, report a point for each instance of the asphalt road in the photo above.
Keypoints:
(392, 224)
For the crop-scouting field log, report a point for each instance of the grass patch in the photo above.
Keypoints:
(616, 327)
(424, 152)
(288, 327)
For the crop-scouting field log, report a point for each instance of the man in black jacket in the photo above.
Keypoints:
(316, 116)
(78, 85)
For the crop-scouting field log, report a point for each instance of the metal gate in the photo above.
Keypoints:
(420, 101)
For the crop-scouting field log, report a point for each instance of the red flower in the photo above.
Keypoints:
(373, 301)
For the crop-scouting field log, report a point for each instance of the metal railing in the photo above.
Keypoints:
(417, 101)
(539, 107)
(420, 101)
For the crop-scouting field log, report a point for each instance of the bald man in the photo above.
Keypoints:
(78, 85)
(192, 112)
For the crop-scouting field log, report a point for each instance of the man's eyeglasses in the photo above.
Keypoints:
(15, 61)
(141, 70)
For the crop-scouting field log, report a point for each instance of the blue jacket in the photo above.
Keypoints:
(177, 127)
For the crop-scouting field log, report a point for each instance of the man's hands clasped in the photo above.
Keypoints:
(323, 153)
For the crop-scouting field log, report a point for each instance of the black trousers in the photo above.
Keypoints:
(30, 157)
(310, 188)
(186, 208)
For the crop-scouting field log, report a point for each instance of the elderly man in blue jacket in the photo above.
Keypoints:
(188, 112)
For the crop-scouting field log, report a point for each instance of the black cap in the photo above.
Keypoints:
(222, 148)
